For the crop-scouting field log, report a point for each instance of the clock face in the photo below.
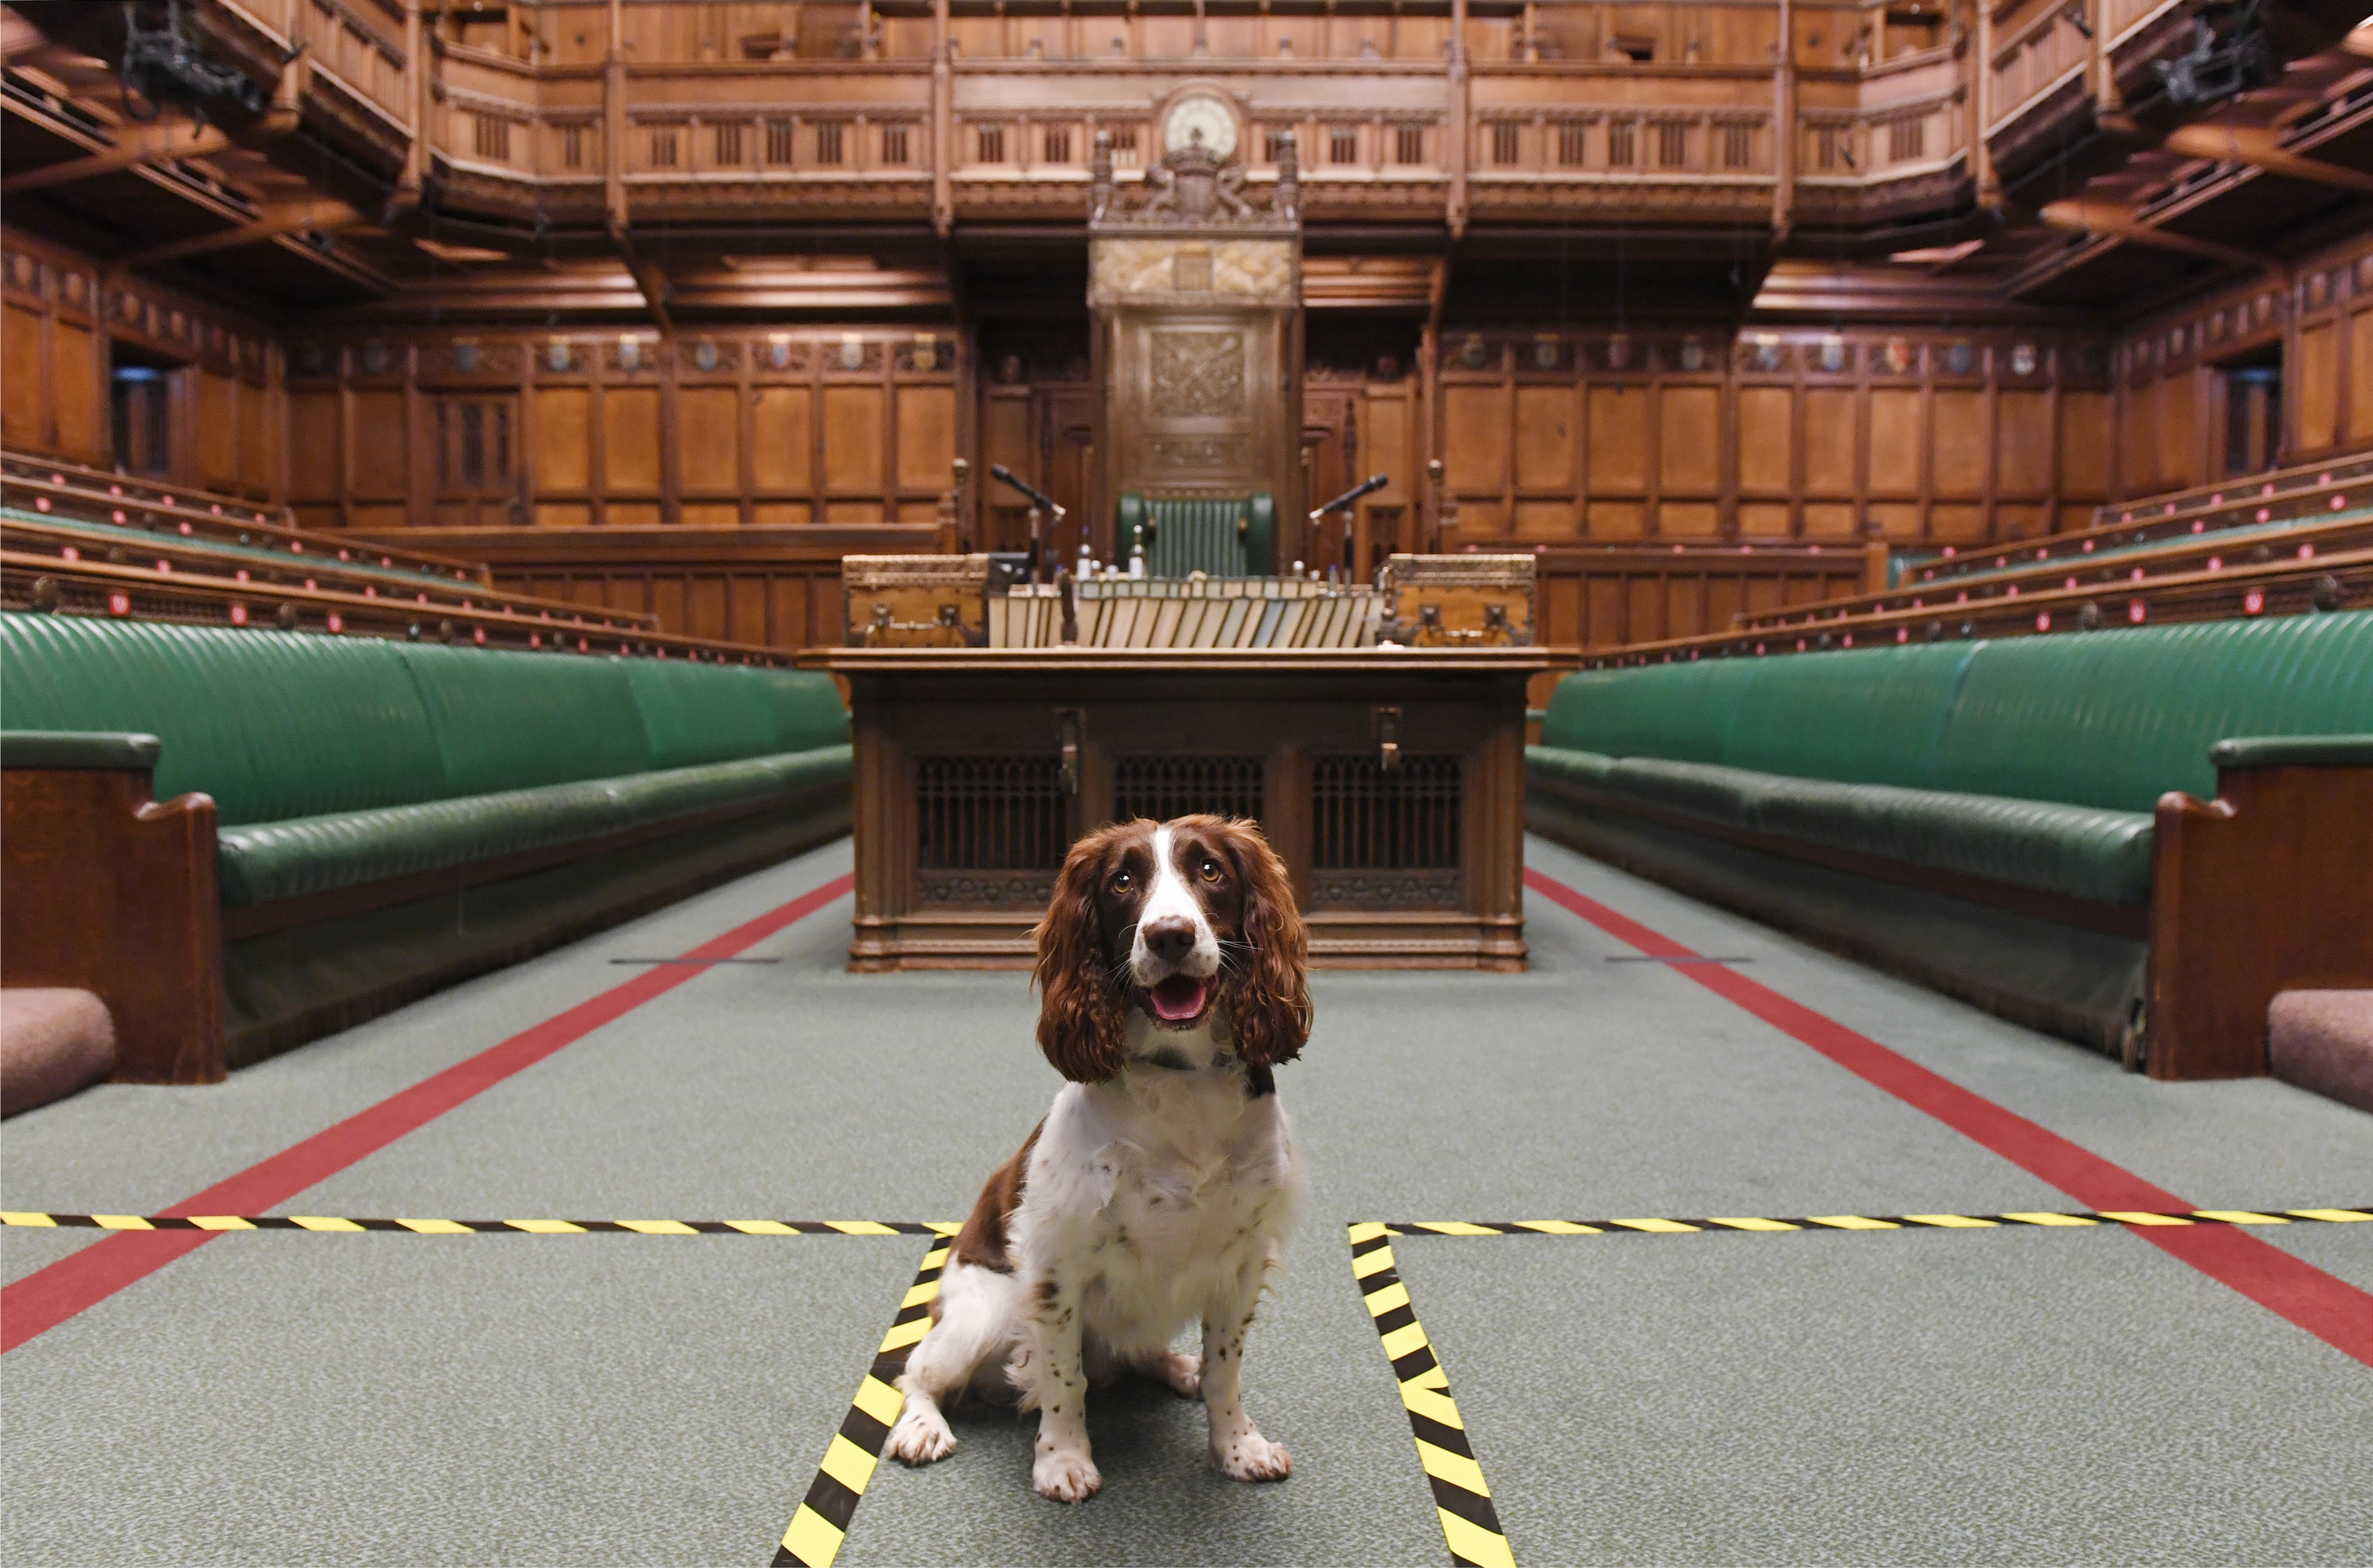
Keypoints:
(1205, 112)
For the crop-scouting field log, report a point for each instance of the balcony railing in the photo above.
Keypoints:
(998, 108)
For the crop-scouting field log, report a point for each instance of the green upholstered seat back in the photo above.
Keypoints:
(516, 720)
(1864, 717)
(276, 725)
(2110, 718)
(1222, 538)
(272, 724)
(2117, 718)
(702, 713)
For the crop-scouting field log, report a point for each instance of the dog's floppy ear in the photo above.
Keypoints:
(1265, 988)
(1084, 1009)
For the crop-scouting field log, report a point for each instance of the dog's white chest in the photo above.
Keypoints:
(1199, 1183)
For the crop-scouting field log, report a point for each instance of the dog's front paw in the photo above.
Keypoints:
(920, 1437)
(1250, 1456)
(1067, 1475)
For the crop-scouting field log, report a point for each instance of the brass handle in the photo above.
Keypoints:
(1387, 722)
(1067, 725)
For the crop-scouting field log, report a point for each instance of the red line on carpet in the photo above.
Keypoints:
(43, 1300)
(2333, 1310)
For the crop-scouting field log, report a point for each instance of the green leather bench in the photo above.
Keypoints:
(1222, 538)
(1982, 816)
(381, 818)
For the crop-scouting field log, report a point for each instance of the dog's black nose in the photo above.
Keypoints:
(1170, 939)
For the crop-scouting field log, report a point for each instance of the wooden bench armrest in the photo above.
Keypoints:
(2268, 887)
(113, 892)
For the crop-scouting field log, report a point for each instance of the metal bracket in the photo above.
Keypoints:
(1387, 722)
(1069, 722)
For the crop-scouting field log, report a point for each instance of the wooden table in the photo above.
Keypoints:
(1392, 781)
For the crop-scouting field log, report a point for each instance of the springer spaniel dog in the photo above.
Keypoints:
(1160, 1188)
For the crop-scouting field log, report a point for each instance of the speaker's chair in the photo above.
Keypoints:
(1222, 538)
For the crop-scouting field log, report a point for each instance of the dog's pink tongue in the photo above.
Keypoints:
(1178, 998)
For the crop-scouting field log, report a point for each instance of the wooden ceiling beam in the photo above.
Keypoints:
(2113, 222)
(153, 143)
(303, 218)
(2262, 147)
(650, 281)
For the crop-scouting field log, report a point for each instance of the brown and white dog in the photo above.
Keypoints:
(1160, 1188)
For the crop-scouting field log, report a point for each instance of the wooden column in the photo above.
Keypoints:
(1459, 123)
(1980, 79)
(943, 124)
(1783, 139)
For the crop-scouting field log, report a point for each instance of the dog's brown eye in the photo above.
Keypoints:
(1122, 882)
(1210, 869)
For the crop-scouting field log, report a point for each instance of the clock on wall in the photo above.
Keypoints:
(1206, 113)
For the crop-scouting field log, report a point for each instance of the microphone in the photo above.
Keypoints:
(999, 470)
(1373, 482)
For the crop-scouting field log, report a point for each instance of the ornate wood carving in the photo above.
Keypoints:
(1194, 286)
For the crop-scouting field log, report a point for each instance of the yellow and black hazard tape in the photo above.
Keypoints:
(822, 1522)
(1470, 1526)
(2129, 1217)
(331, 1224)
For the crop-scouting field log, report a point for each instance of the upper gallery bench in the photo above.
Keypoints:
(2037, 824)
(241, 840)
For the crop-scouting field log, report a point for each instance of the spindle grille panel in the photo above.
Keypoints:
(989, 813)
(1385, 840)
(1165, 787)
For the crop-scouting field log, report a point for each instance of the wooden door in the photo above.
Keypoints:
(474, 440)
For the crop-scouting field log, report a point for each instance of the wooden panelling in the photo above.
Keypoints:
(782, 444)
(708, 434)
(213, 372)
(2360, 374)
(2084, 444)
(630, 430)
(2180, 369)
(1767, 445)
(380, 456)
(561, 437)
(1819, 436)
(2023, 436)
(2318, 385)
(75, 390)
(1963, 440)
(1619, 441)
(1829, 438)
(1688, 426)
(1895, 441)
(217, 431)
(1544, 438)
(775, 587)
(926, 423)
(1474, 436)
(630, 440)
(854, 425)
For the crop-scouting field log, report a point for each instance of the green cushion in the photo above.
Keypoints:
(517, 720)
(2078, 851)
(108, 534)
(1587, 770)
(272, 724)
(1904, 573)
(2118, 719)
(285, 860)
(2110, 718)
(277, 725)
